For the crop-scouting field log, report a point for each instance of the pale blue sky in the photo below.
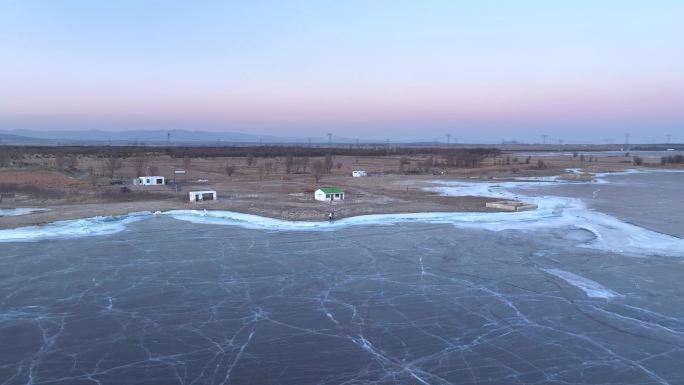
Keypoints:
(577, 70)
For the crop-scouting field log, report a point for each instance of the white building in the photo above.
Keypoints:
(359, 173)
(329, 194)
(199, 196)
(149, 180)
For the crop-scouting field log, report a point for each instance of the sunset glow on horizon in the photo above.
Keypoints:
(387, 69)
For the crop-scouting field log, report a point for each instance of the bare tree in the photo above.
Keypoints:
(317, 170)
(328, 163)
(140, 162)
(268, 167)
(92, 176)
(111, 165)
(60, 161)
(403, 161)
(289, 162)
(427, 164)
(301, 165)
(230, 169)
(5, 157)
(72, 162)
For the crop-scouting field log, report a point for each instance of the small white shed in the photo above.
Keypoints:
(329, 194)
(199, 196)
(149, 180)
(359, 173)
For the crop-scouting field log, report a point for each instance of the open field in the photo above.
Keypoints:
(77, 184)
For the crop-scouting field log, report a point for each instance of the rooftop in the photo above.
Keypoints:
(332, 190)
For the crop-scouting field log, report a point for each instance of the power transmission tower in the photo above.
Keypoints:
(329, 138)
(626, 138)
(544, 139)
(448, 139)
(669, 137)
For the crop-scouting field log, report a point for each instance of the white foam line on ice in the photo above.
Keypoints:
(71, 228)
(611, 233)
(19, 211)
(556, 212)
(591, 288)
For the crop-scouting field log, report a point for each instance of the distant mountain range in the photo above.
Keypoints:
(151, 137)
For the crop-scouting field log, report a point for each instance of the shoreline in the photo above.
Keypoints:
(316, 212)
(389, 195)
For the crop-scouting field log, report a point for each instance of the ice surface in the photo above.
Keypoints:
(268, 301)
(171, 302)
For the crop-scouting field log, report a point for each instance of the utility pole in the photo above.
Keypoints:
(168, 138)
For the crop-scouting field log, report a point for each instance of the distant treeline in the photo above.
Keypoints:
(244, 151)
(674, 159)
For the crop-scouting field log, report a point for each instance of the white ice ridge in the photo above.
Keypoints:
(18, 211)
(71, 228)
(591, 288)
(610, 233)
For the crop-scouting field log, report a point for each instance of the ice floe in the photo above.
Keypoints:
(590, 288)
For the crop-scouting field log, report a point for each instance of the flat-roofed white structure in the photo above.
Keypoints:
(149, 181)
(359, 173)
(199, 196)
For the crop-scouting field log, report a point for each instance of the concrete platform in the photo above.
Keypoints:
(510, 205)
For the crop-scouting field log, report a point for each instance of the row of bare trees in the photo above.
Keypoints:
(272, 151)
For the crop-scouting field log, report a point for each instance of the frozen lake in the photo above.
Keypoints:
(581, 291)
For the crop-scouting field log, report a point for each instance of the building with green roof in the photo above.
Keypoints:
(329, 194)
